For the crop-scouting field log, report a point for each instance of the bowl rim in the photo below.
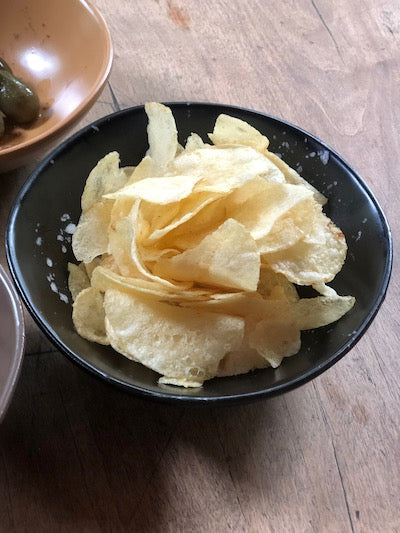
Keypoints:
(16, 309)
(98, 86)
(201, 400)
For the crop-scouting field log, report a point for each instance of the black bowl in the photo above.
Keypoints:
(39, 247)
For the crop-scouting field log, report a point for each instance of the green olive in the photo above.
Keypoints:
(4, 65)
(17, 100)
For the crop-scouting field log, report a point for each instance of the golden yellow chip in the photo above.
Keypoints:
(78, 279)
(88, 316)
(227, 258)
(90, 238)
(162, 134)
(230, 130)
(106, 177)
(180, 344)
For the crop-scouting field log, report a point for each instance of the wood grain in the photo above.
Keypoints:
(77, 455)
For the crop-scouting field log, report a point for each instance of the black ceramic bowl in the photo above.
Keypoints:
(39, 247)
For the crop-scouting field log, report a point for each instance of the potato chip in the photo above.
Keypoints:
(311, 313)
(180, 344)
(88, 316)
(144, 170)
(90, 238)
(89, 267)
(241, 361)
(259, 204)
(162, 134)
(275, 286)
(224, 169)
(158, 190)
(187, 209)
(104, 278)
(143, 271)
(78, 279)
(194, 142)
(275, 339)
(291, 176)
(315, 258)
(226, 258)
(106, 177)
(231, 130)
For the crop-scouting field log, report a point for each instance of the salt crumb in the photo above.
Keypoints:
(39, 241)
(63, 297)
(49, 262)
(70, 228)
(53, 287)
(324, 156)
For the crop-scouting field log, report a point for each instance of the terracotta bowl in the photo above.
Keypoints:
(63, 49)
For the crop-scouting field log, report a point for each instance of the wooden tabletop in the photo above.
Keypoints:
(78, 455)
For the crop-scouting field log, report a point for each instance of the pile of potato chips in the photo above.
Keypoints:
(189, 261)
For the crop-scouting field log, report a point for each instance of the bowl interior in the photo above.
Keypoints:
(39, 247)
(63, 50)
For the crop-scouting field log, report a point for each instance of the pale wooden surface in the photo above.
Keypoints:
(76, 455)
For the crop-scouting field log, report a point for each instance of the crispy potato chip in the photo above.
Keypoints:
(275, 340)
(158, 190)
(181, 344)
(78, 279)
(311, 313)
(275, 286)
(104, 278)
(231, 130)
(258, 204)
(291, 226)
(224, 169)
(138, 262)
(241, 362)
(187, 209)
(119, 246)
(194, 142)
(316, 258)
(90, 238)
(89, 267)
(144, 170)
(128, 171)
(191, 232)
(162, 134)
(106, 177)
(88, 316)
(227, 258)
(291, 176)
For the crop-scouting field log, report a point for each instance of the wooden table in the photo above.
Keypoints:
(77, 455)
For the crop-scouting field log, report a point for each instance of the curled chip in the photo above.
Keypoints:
(191, 259)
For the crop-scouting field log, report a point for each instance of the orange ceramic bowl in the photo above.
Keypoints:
(63, 49)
